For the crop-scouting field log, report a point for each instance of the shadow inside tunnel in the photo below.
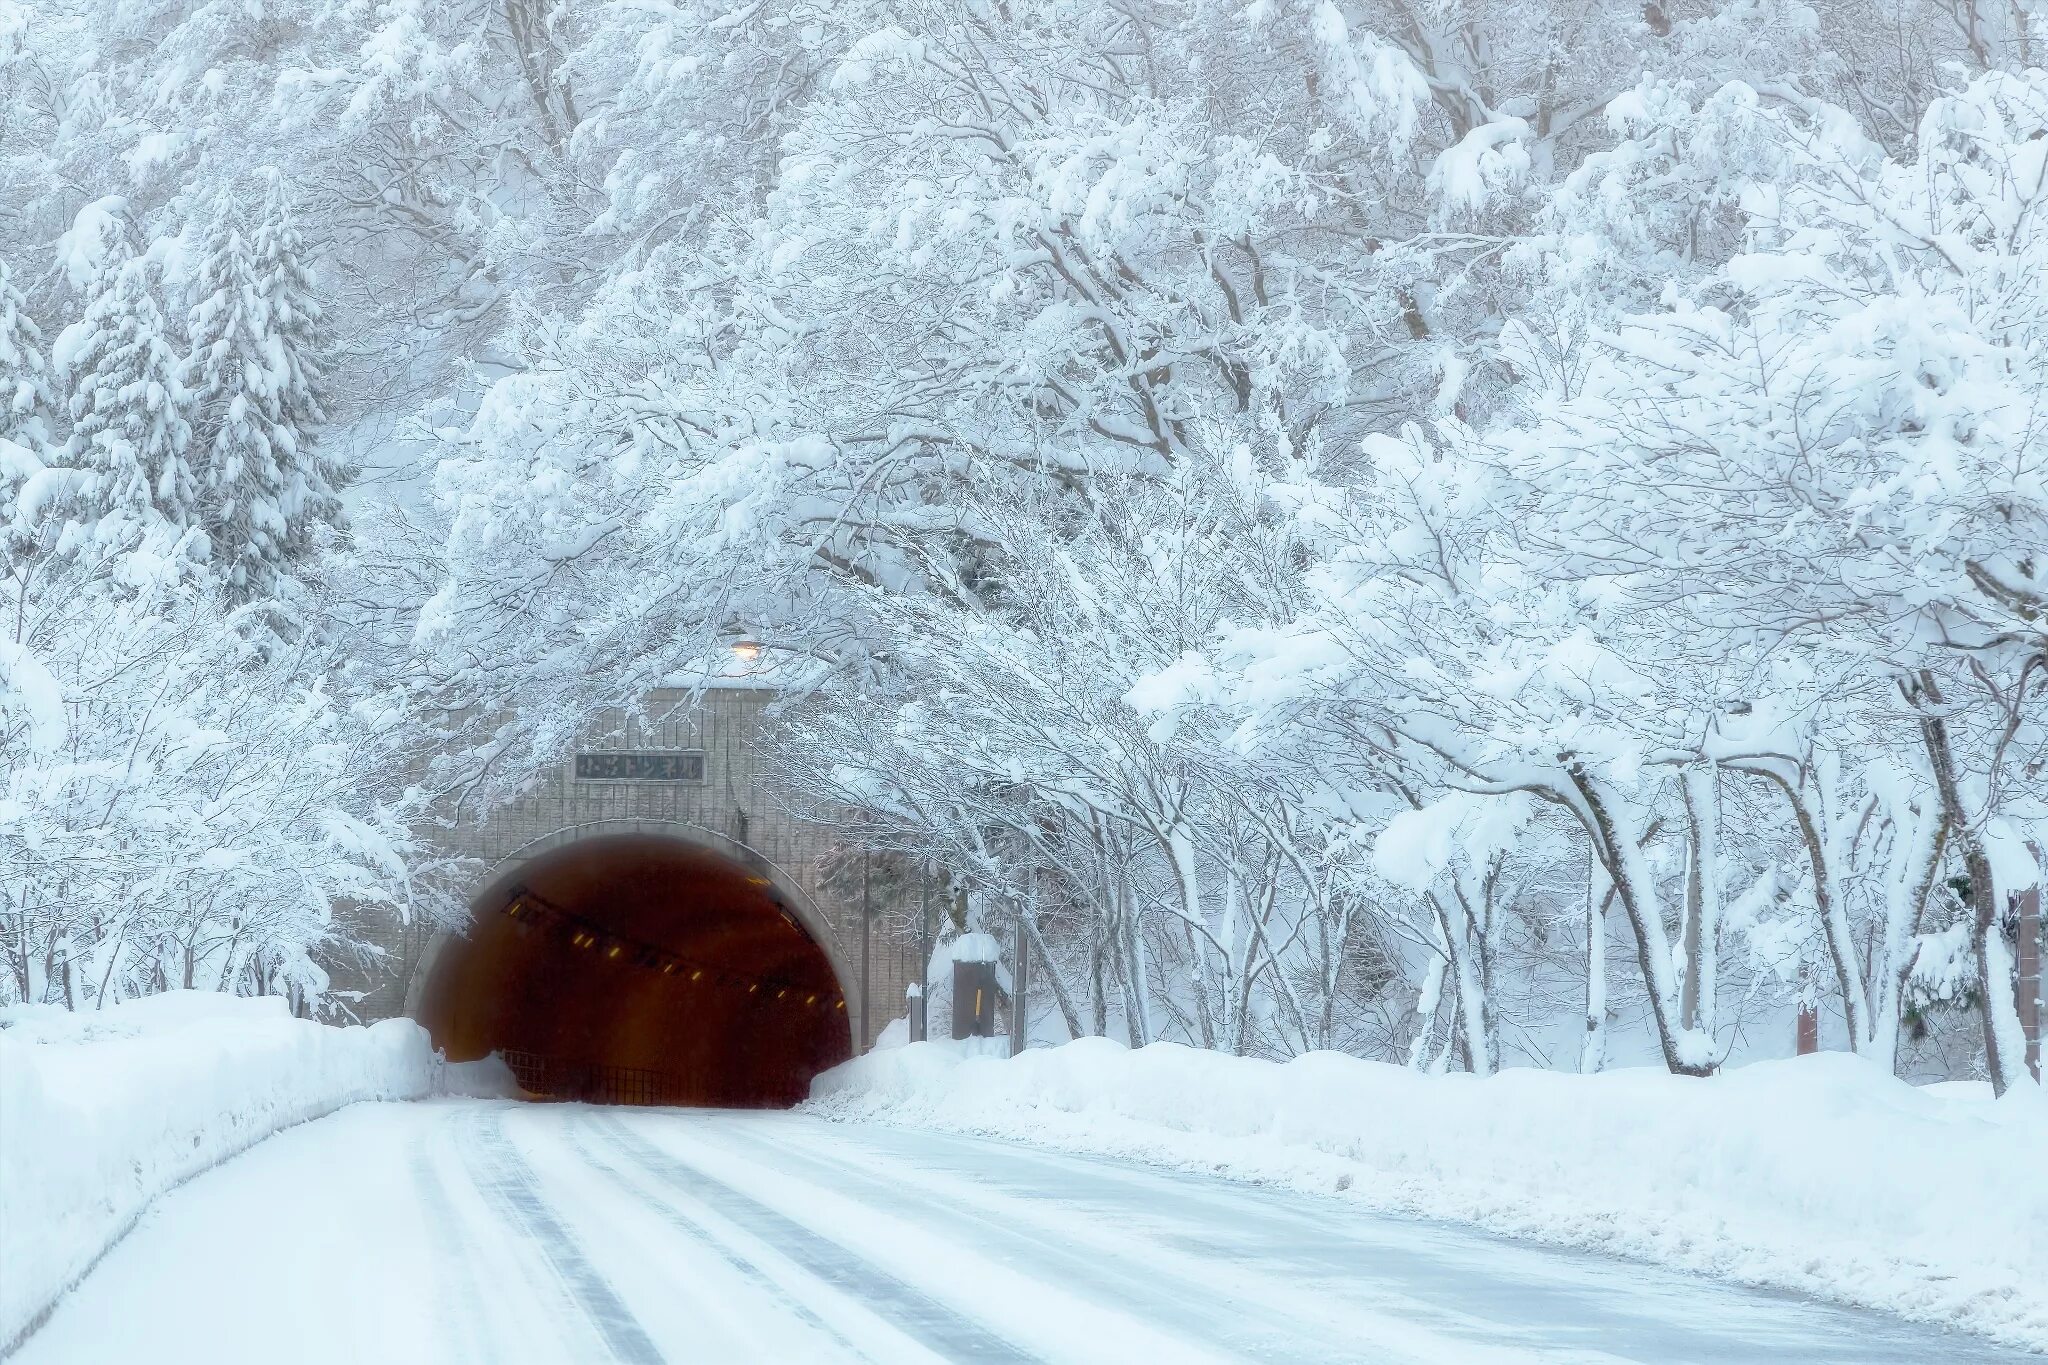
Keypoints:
(636, 969)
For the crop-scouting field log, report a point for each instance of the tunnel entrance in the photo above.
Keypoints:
(637, 968)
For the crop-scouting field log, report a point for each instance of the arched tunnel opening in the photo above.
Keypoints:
(639, 969)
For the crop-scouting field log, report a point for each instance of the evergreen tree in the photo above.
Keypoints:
(254, 375)
(128, 405)
(236, 436)
(25, 397)
(287, 323)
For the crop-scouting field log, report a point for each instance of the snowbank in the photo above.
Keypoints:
(976, 947)
(102, 1112)
(487, 1078)
(1820, 1174)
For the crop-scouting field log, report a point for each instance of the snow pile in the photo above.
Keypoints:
(486, 1078)
(976, 948)
(1820, 1174)
(102, 1112)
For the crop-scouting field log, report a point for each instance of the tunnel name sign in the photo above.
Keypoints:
(636, 766)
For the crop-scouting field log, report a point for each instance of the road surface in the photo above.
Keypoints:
(493, 1232)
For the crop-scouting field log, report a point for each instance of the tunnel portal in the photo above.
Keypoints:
(637, 968)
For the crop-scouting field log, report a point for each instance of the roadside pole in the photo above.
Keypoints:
(1020, 1013)
(920, 1017)
(1019, 974)
(867, 922)
(2031, 1004)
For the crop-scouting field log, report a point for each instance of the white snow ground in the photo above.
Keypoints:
(101, 1111)
(1820, 1175)
(478, 1230)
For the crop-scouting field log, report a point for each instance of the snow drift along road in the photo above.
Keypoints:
(100, 1113)
(1820, 1174)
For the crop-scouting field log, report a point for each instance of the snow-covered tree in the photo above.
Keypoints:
(177, 806)
(128, 406)
(252, 378)
(27, 397)
(1165, 878)
(1832, 476)
(1627, 625)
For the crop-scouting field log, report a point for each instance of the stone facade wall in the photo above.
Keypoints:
(732, 800)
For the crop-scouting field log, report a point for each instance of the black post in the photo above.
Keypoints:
(974, 1000)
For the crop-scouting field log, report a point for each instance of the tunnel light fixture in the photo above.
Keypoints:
(577, 932)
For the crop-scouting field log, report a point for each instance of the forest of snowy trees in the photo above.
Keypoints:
(1462, 531)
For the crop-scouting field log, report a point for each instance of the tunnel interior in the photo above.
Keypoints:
(637, 969)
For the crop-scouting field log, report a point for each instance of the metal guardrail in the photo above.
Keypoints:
(558, 1078)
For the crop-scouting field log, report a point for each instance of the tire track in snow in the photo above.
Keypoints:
(910, 1310)
(1348, 1301)
(1206, 1307)
(469, 1328)
(508, 1182)
(699, 1235)
(1584, 1304)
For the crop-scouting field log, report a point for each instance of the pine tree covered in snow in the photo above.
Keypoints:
(251, 376)
(27, 401)
(289, 317)
(128, 405)
(27, 406)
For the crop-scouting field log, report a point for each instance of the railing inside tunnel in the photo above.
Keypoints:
(557, 1078)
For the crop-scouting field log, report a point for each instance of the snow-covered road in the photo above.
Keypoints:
(492, 1232)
